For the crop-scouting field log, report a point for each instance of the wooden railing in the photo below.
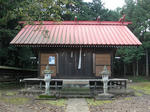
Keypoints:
(11, 74)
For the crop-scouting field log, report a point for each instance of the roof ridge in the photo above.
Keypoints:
(75, 22)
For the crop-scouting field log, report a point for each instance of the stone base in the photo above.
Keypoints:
(122, 92)
(104, 96)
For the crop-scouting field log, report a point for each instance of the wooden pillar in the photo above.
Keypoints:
(94, 65)
(39, 68)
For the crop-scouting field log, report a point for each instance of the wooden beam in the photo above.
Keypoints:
(57, 63)
(39, 61)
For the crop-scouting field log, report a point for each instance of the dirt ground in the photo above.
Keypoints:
(11, 101)
(140, 102)
(31, 107)
(29, 104)
(130, 104)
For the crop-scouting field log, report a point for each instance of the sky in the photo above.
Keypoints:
(111, 4)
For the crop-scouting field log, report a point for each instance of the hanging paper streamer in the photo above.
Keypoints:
(79, 65)
(71, 54)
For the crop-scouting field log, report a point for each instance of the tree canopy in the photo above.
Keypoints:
(12, 11)
(138, 14)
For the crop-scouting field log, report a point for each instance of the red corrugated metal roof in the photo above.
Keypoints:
(77, 33)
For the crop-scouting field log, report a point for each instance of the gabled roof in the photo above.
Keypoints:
(76, 33)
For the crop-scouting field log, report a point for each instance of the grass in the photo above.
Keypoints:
(11, 93)
(139, 79)
(14, 100)
(93, 102)
(142, 87)
(138, 94)
(128, 98)
(8, 89)
(59, 102)
(47, 96)
(9, 86)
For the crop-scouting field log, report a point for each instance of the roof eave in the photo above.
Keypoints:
(72, 45)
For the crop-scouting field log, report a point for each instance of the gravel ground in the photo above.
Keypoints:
(34, 107)
(122, 104)
(131, 104)
(31, 105)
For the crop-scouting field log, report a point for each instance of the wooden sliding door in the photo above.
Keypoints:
(48, 59)
(102, 59)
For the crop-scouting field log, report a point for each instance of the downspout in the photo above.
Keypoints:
(79, 65)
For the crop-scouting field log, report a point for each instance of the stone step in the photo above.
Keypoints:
(75, 96)
(76, 81)
(75, 93)
(77, 105)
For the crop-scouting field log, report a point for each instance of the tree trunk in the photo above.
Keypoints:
(137, 68)
(125, 71)
(147, 65)
(134, 69)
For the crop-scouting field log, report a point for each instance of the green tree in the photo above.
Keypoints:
(7, 31)
(39, 10)
(89, 11)
(138, 14)
(12, 11)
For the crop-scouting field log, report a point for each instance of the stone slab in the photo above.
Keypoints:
(104, 96)
(77, 105)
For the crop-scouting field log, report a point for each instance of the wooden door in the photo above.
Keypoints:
(69, 61)
(44, 60)
(102, 59)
